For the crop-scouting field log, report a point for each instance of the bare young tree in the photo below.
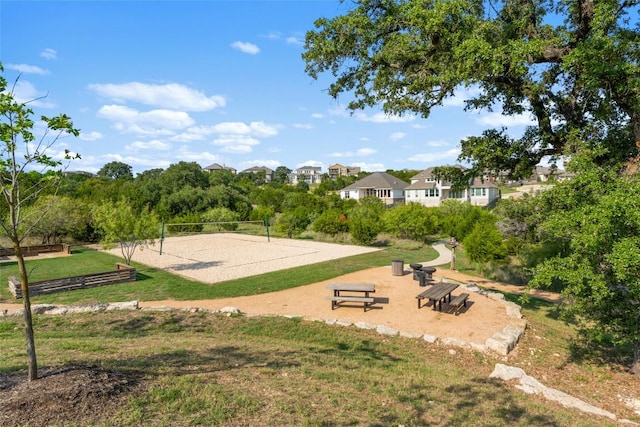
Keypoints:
(27, 171)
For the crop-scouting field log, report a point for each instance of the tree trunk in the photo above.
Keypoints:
(28, 319)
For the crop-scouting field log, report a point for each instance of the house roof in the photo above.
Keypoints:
(421, 185)
(428, 172)
(258, 169)
(217, 167)
(381, 180)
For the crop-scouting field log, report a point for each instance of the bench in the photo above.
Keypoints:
(437, 293)
(458, 302)
(336, 300)
(365, 289)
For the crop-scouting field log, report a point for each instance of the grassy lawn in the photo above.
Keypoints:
(210, 369)
(153, 284)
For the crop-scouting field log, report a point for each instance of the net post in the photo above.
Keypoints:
(266, 224)
(161, 237)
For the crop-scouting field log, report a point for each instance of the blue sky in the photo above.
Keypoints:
(152, 83)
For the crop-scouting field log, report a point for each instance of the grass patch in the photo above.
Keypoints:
(216, 370)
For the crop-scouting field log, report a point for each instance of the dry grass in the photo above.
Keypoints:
(210, 369)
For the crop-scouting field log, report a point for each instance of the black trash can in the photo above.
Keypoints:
(429, 271)
(421, 276)
(414, 268)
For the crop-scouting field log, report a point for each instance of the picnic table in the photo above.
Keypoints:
(437, 293)
(362, 293)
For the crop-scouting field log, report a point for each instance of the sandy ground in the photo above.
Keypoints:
(212, 258)
(233, 256)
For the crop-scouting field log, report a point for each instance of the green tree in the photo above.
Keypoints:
(120, 225)
(572, 66)
(63, 217)
(365, 220)
(331, 222)
(597, 227)
(411, 221)
(281, 174)
(485, 243)
(226, 218)
(293, 222)
(20, 151)
(116, 170)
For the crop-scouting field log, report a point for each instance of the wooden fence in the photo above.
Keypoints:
(123, 273)
(34, 250)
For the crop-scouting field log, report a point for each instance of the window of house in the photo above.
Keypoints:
(346, 194)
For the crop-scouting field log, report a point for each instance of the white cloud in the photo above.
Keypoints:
(236, 144)
(236, 149)
(154, 122)
(317, 116)
(430, 157)
(460, 95)
(90, 136)
(244, 47)
(171, 95)
(28, 69)
(371, 167)
(366, 151)
(240, 128)
(273, 35)
(228, 140)
(227, 129)
(155, 144)
(313, 163)
(302, 126)
(498, 120)
(396, 136)
(49, 53)
(437, 143)
(384, 118)
(295, 41)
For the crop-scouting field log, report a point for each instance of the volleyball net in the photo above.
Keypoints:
(253, 228)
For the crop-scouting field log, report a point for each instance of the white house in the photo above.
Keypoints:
(308, 174)
(428, 190)
(382, 185)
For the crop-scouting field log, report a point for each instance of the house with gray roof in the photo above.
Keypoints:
(215, 167)
(382, 185)
(268, 173)
(428, 190)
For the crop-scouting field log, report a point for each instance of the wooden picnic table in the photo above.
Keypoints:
(362, 289)
(437, 293)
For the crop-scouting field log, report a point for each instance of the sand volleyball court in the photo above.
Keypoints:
(212, 258)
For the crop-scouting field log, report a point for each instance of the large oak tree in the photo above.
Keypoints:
(572, 65)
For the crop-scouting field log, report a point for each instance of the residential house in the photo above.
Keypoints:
(338, 170)
(428, 190)
(308, 174)
(215, 167)
(268, 173)
(382, 185)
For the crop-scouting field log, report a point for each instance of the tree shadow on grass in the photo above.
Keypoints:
(215, 359)
(196, 265)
